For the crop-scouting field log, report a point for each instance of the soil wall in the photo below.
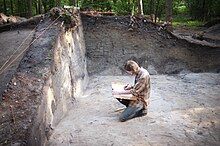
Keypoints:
(110, 41)
(49, 78)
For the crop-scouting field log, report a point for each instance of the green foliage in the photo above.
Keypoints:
(179, 7)
(65, 2)
(183, 21)
(203, 9)
(123, 7)
(98, 5)
(193, 9)
(156, 7)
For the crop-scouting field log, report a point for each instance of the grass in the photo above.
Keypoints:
(183, 21)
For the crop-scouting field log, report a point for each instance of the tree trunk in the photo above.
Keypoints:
(18, 8)
(129, 2)
(156, 11)
(25, 8)
(45, 5)
(152, 10)
(169, 15)
(58, 2)
(203, 10)
(73, 2)
(169, 11)
(133, 7)
(140, 8)
(29, 8)
(11, 3)
(39, 7)
(5, 8)
(36, 8)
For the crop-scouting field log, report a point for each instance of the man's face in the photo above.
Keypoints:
(129, 72)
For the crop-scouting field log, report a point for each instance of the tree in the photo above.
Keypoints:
(151, 6)
(11, 4)
(5, 8)
(29, 8)
(18, 6)
(73, 2)
(39, 7)
(203, 9)
(140, 8)
(58, 2)
(114, 1)
(169, 11)
(156, 10)
(169, 14)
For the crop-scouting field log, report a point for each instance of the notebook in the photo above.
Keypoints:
(119, 87)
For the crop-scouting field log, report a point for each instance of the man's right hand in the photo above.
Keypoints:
(127, 87)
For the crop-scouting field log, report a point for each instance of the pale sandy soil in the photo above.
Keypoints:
(184, 110)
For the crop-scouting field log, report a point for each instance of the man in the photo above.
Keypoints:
(140, 92)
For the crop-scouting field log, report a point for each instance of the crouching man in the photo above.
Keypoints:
(140, 92)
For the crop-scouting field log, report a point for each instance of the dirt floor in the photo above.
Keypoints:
(9, 43)
(184, 110)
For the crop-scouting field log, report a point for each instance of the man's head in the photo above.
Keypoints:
(132, 67)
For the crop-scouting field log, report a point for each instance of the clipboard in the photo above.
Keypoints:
(123, 98)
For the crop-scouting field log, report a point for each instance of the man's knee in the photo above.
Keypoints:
(129, 113)
(132, 112)
(122, 119)
(126, 114)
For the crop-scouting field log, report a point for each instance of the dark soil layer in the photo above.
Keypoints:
(18, 39)
(49, 77)
(23, 96)
(110, 42)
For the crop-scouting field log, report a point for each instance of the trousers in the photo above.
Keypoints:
(132, 111)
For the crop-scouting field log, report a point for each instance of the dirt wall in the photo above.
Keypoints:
(110, 41)
(49, 78)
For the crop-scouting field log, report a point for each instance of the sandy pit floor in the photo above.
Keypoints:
(184, 110)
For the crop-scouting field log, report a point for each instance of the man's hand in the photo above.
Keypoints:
(128, 87)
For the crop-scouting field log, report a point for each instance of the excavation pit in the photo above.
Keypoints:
(61, 91)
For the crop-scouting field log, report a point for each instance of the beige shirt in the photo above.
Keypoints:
(141, 88)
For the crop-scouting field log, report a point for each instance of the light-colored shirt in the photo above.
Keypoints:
(141, 88)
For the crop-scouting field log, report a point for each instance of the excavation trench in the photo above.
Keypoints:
(61, 92)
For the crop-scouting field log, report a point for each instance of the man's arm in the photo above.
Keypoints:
(139, 86)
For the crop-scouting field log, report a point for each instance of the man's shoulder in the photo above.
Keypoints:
(144, 73)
